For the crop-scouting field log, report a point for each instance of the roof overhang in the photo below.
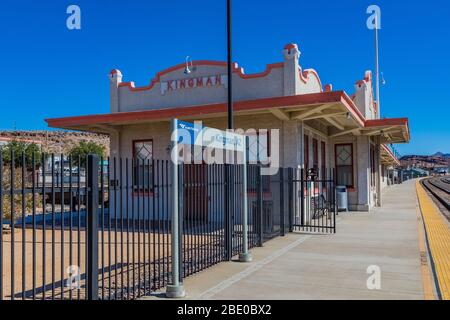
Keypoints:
(335, 109)
(388, 157)
(286, 108)
(393, 130)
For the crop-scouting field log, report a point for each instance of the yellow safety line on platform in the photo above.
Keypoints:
(438, 235)
(427, 278)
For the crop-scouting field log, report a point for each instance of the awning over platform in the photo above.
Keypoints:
(387, 157)
(335, 109)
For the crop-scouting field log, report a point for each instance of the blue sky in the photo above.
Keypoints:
(49, 71)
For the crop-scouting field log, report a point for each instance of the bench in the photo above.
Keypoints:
(320, 207)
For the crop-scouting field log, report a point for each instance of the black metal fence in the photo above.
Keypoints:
(96, 229)
(312, 201)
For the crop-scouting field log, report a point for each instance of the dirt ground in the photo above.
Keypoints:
(127, 266)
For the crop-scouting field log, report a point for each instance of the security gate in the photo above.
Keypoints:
(314, 206)
(291, 201)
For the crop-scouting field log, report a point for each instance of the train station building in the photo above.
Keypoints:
(319, 127)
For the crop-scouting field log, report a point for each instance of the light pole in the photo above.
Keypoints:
(228, 178)
(245, 255)
(229, 66)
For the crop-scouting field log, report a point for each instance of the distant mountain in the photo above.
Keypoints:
(441, 155)
(439, 159)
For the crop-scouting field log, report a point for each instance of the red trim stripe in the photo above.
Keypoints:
(239, 71)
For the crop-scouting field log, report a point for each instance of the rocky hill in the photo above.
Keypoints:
(427, 162)
(56, 141)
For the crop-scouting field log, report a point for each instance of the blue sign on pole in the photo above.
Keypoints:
(196, 134)
(193, 129)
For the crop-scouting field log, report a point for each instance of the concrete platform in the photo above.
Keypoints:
(302, 266)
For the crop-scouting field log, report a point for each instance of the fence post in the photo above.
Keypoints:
(228, 194)
(302, 197)
(335, 211)
(259, 200)
(180, 220)
(282, 222)
(291, 195)
(245, 256)
(92, 227)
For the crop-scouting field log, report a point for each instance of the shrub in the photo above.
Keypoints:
(17, 185)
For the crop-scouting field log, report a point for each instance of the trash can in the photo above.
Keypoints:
(342, 198)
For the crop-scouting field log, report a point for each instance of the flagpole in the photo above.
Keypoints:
(377, 71)
(377, 67)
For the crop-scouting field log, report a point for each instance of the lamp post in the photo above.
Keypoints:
(245, 255)
(228, 178)
(229, 66)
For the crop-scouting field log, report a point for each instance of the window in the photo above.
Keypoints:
(306, 152)
(344, 165)
(142, 164)
(323, 160)
(258, 147)
(315, 154)
(258, 152)
(372, 166)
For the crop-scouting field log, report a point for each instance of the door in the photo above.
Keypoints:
(195, 193)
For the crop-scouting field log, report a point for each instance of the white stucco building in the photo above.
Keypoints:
(319, 127)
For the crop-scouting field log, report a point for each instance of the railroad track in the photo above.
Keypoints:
(439, 188)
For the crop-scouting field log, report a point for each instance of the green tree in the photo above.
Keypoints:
(85, 148)
(21, 149)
